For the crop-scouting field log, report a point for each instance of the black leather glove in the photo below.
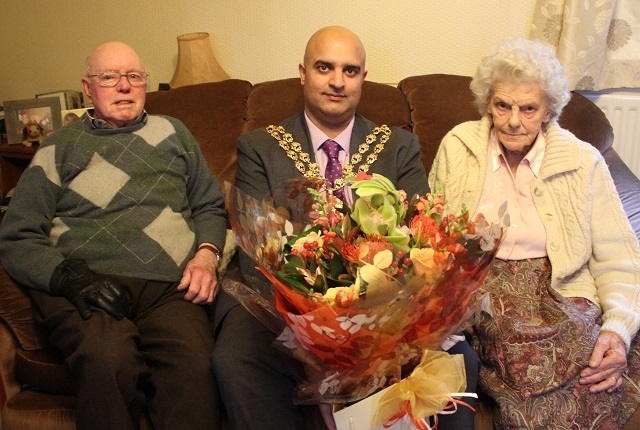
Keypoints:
(74, 280)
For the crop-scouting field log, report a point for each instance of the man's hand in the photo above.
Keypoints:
(607, 364)
(74, 280)
(199, 277)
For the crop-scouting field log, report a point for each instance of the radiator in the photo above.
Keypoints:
(622, 109)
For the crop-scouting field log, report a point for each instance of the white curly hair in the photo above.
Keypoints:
(517, 61)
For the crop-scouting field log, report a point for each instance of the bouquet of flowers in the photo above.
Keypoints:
(360, 291)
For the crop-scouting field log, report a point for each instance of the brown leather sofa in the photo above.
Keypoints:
(34, 389)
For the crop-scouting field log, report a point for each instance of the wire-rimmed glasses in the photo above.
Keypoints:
(111, 78)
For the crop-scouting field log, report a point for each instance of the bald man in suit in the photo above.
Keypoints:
(255, 382)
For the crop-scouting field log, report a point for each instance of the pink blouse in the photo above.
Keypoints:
(524, 235)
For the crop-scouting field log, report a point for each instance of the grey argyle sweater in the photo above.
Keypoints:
(133, 201)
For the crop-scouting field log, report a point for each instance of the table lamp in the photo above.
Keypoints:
(196, 61)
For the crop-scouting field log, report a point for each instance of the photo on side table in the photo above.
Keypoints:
(72, 115)
(30, 121)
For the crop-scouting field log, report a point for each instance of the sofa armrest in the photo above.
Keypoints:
(17, 329)
(587, 121)
(9, 386)
(628, 187)
(16, 312)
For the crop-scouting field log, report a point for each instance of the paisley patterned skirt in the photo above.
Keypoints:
(533, 343)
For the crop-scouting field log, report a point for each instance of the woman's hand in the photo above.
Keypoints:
(607, 364)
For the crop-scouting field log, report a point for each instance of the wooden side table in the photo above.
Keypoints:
(14, 159)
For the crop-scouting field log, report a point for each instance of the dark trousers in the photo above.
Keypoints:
(157, 358)
(257, 384)
(464, 417)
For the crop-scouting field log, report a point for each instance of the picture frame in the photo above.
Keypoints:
(71, 115)
(69, 99)
(44, 111)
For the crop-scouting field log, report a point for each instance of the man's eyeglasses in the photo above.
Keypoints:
(111, 78)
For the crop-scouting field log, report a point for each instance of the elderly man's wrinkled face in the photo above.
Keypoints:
(120, 105)
(518, 112)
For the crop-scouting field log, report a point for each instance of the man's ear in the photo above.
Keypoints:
(85, 87)
(303, 72)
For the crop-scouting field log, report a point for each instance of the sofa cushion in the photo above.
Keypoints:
(214, 113)
(396, 111)
(273, 101)
(438, 103)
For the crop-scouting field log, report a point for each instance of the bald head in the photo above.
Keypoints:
(328, 36)
(332, 76)
(109, 52)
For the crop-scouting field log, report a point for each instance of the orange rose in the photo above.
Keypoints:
(428, 263)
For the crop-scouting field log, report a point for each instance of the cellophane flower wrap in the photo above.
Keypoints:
(360, 291)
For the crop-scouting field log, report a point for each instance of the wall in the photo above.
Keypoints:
(45, 42)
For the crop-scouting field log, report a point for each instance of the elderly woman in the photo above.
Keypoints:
(557, 339)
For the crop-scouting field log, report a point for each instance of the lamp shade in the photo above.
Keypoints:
(196, 61)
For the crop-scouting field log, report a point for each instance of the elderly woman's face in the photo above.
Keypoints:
(518, 112)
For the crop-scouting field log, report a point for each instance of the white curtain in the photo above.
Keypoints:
(597, 41)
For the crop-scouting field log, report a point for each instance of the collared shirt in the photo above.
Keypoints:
(525, 236)
(100, 124)
(318, 137)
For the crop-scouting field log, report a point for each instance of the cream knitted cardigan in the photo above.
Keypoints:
(593, 251)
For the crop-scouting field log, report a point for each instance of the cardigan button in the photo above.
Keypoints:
(554, 246)
(538, 191)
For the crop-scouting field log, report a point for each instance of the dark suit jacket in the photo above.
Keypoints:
(263, 166)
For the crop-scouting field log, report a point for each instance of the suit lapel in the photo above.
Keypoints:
(285, 167)
(359, 133)
(297, 127)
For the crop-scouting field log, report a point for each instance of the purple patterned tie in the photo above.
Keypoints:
(333, 170)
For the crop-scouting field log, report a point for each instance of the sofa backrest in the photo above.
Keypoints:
(217, 113)
(273, 101)
(439, 102)
(429, 105)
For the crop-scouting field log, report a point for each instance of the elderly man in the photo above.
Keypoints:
(124, 220)
(256, 384)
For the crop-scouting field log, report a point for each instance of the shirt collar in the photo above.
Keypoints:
(318, 137)
(533, 157)
(100, 124)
